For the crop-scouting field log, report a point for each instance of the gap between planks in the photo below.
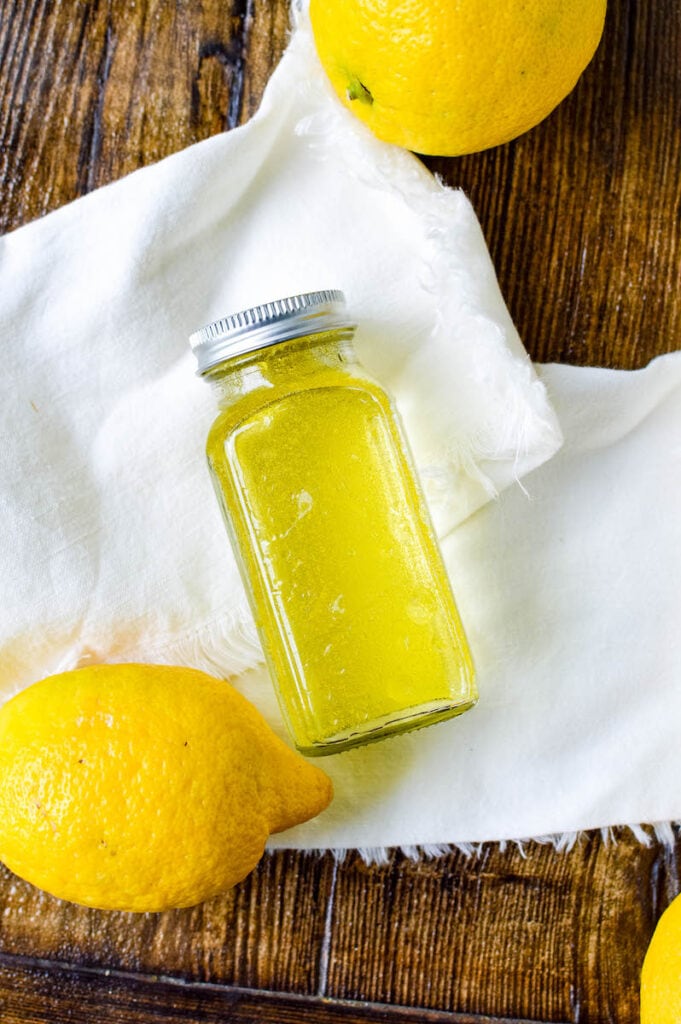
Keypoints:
(325, 950)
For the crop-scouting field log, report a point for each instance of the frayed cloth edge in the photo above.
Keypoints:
(663, 832)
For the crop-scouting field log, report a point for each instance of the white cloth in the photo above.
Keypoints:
(112, 546)
(570, 595)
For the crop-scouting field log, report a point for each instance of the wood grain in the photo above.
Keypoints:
(266, 934)
(54, 993)
(93, 90)
(583, 218)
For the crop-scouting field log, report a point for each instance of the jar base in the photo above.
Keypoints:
(386, 726)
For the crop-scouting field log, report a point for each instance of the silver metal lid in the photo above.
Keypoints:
(269, 324)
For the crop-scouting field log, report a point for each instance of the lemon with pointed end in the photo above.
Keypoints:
(445, 78)
(661, 974)
(143, 787)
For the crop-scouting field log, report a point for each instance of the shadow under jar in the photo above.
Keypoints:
(350, 595)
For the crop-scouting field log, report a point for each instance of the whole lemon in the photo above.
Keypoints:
(444, 78)
(661, 974)
(143, 787)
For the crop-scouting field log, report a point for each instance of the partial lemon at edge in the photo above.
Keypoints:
(661, 974)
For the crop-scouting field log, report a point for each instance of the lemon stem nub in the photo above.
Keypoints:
(358, 91)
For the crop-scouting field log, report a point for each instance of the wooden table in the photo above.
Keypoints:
(583, 220)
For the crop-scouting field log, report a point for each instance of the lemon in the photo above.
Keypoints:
(445, 78)
(661, 974)
(143, 787)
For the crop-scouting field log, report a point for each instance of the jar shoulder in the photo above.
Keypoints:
(243, 407)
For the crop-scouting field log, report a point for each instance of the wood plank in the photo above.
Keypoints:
(266, 933)
(560, 936)
(91, 91)
(53, 993)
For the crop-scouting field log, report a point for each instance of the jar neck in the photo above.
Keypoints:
(281, 364)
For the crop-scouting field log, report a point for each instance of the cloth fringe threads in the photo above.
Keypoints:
(663, 832)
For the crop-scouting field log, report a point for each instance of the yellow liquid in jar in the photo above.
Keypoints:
(352, 602)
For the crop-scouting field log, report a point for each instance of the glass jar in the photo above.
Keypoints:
(329, 527)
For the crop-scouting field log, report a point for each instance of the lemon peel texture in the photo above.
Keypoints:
(143, 787)
(445, 78)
